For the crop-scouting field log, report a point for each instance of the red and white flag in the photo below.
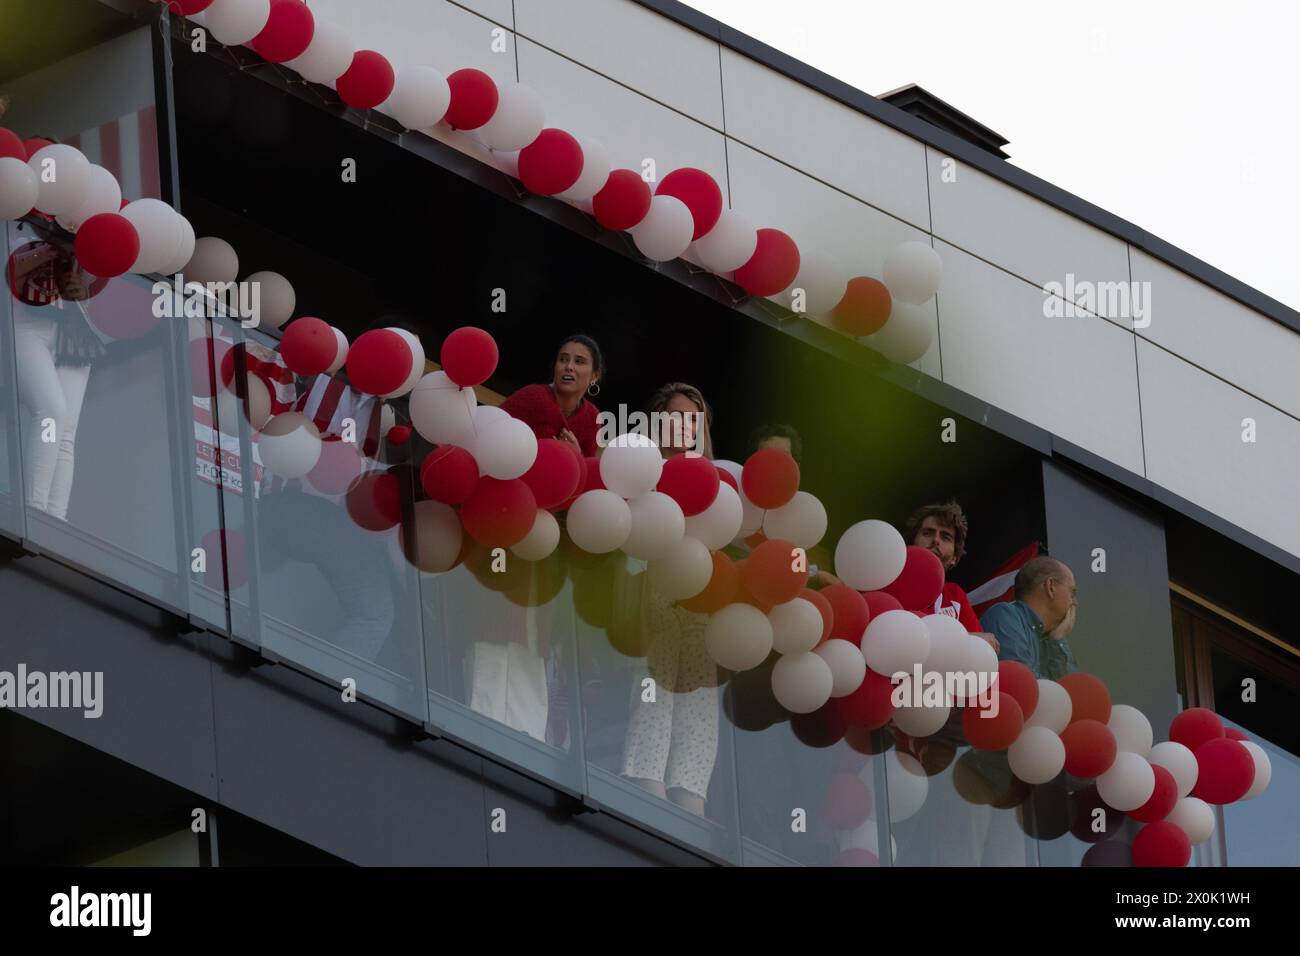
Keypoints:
(1001, 587)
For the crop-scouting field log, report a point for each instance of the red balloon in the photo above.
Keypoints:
(699, 191)
(474, 99)
(1194, 727)
(1089, 698)
(1232, 733)
(772, 267)
(367, 82)
(819, 601)
(821, 728)
(770, 477)
(870, 706)
(864, 308)
(398, 435)
(728, 477)
(850, 610)
(339, 466)
(1162, 800)
(449, 475)
(1089, 748)
(551, 163)
(11, 146)
(920, 582)
(308, 345)
(107, 244)
(554, 474)
(469, 356)
(768, 573)
(375, 501)
(35, 145)
(1016, 679)
(721, 589)
(623, 201)
(187, 8)
(848, 802)
(287, 33)
(594, 480)
(499, 513)
(997, 732)
(1161, 844)
(582, 478)
(856, 856)
(691, 481)
(878, 602)
(379, 361)
(1226, 771)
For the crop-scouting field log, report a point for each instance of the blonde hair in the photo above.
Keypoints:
(664, 394)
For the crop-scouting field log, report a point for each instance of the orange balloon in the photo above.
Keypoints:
(865, 307)
(769, 573)
(1089, 696)
(721, 589)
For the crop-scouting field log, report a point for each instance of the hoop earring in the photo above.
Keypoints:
(593, 389)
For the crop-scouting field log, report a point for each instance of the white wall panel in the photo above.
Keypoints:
(819, 217)
(502, 11)
(1075, 377)
(633, 45)
(1221, 335)
(1193, 428)
(1021, 234)
(631, 126)
(813, 132)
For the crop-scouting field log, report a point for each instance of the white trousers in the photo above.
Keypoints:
(50, 395)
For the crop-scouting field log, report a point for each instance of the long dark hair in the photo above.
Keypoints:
(587, 342)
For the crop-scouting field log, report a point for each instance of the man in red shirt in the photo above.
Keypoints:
(942, 529)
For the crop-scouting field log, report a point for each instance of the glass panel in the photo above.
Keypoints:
(659, 748)
(99, 382)
(1261, 831)
(328, 586)
(11, 475)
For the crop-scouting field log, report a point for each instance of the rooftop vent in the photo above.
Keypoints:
(924, 105)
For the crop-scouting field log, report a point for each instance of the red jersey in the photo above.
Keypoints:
(954, 602)
(535, 406)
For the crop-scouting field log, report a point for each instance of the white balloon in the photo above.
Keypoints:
(666, 230)
(341, 355)
(949, 642)
(1132, 731)
(728, 245)
(906, 784)
(289, 445)
(870, 555)
(230, 407)
(275, 299)
(846, 662)
(1178, 760)
(1263, 769)
(599, 521)
(417, 363)
(519, 118)
(596, 167)
(631, 465)
(895, 641)
(19, 188)
(480, 419)
(802, 682)
(738, 637)
(866, 836)
(1194, 817)
(62, 178)
(906, 336)
(160, 233)
(717, 524)
(541, 540)
(919, 721)
(751, 515)
(684, 571)
(801, 521)
(657, 526)
(103, 194)
(184, 252)
(328, 55)
(420, 97)
(823, 279)
(438, 537)
(912, 272)
(441, 410)
(1037, 755)
(214, 260)
(980, 659)
(1128, 783)
(234, 22)
(1054, 707)
(796, 626)
(505, 449)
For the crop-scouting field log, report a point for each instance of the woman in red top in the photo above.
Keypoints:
(560, 409)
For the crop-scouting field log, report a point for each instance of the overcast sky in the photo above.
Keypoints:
(1181, 117)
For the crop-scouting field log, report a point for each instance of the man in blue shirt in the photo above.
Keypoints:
(1032, 628)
